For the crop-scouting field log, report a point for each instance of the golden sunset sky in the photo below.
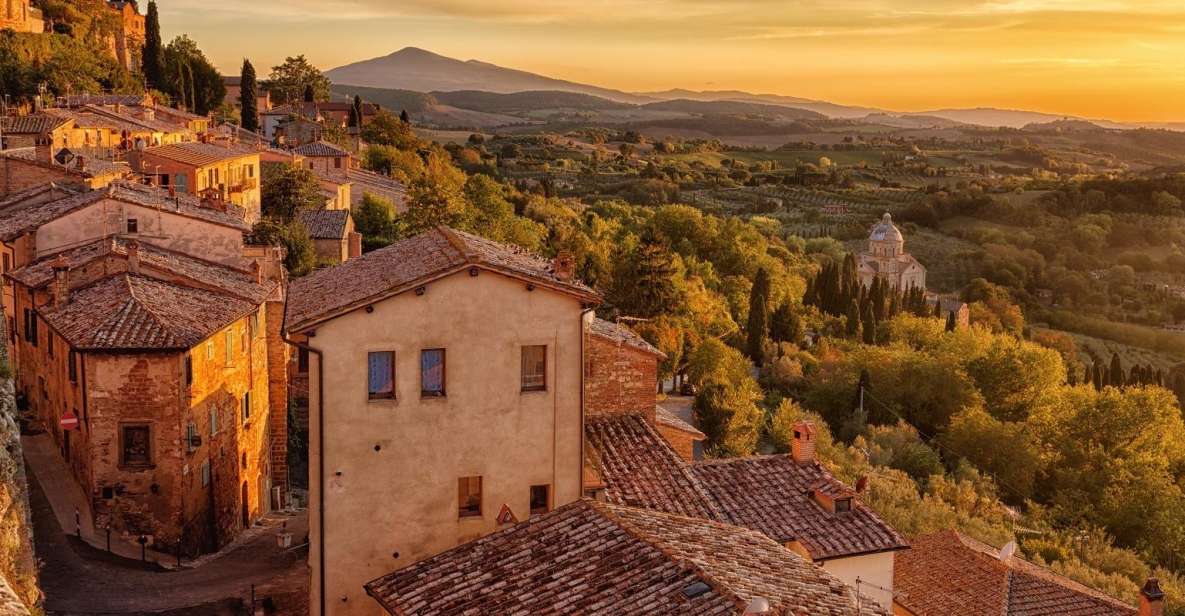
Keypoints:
(1115, 59)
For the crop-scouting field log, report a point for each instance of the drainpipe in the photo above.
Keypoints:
(320, 455)
(583, 368)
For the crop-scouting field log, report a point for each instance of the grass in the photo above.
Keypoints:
(1090, 347)
(1130, 334)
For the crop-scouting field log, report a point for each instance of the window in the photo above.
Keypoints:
(72, 366)
(843, 505)
(534, 368)
(210, 350)
(250, 171)
(432, 372)
(255, 324)
(164, 180)
(213, 420)
(188, 370)
(191, 437)
(49, 343)
(302, 361)
(246, 407)
(133, 225)
(381, 375)
(182, 182)
(337, 163)
(136, 445)
(205, 473)
(540, 499)
(33, 322)
(230, 346)
(7, 262)
(469, 497)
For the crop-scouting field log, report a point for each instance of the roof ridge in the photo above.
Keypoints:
(457, 243)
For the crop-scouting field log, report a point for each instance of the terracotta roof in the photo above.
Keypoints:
(198, 154)
(78, 100)
(950, 573)
(36, 124)
(596, 558)
(238, 281)
(36, 194)
(671, 420)
(20, 219)
(407, 263)
(368, 182)
(88, 166)
(640, 469)
(320, 148)
(130, 312)
(325, 224)
(774, 495)
(621, 334)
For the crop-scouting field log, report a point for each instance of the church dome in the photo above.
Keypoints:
(886, 231)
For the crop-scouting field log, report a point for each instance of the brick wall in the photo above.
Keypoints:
(619, 378)
(277, 382)
(681, 441)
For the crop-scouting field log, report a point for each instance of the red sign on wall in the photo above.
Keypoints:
(506, 516)
(68, 421)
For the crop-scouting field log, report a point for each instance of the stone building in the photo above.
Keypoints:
(886, 259)
(333, 234)
(163, 360)
(322, 157)
(445, 376)
(127, 41)
(21, 16)
(225, 173)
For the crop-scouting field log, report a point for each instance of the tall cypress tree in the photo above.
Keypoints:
(249, 115)
(869, 326)
(758, 316)
(403, 116)
(356, 112)
(1116, 371)
(310, 95)
(853, 328)
(952, 323)
(152, 56)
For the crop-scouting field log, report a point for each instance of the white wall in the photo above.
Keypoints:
(875, 570)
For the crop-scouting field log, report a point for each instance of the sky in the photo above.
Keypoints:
(1115, 59)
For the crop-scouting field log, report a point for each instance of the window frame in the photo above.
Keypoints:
(523, 386)
(72, 365)
(372, 395)
(123, 433)
(429, 393)
(133, 225)
(464, 489)
(245, 410)
(547, 497)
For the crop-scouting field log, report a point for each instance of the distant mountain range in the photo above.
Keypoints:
(461, 83)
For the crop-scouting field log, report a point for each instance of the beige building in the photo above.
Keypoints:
(445, 384)
(886, 259)
(225, 173)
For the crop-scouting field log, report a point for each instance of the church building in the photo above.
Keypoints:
(886, 258)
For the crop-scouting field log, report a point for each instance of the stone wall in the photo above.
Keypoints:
(619, 378)
(18, 570)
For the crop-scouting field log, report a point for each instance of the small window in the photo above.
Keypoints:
(381, 375)
(133, 225)
(246, 407)
(72, 366)
(540, 499)
(250, 171)
(136, 445)
(843, 505)
(205, 473)
(534, 368)
(255, 324)
(191, 437)
(230, 346)
(302, 360)
(7, 262)
(432, 373)
(469, 497)
(213, 420)
(188, 370)
(164, 180)
(337, 163)
(209, 350)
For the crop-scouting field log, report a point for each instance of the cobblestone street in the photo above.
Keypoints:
(79, 580)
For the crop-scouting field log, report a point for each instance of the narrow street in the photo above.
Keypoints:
(79, 580)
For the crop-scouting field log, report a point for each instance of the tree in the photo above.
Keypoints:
(1116, 371)
(190, 78)
(403, 117)
(249, 113)
(431, 203)
(310, 94)
(784, 325)
(286, 189)
(726, 405)
(387, 129)
(300, 257)
(952, 322)
(355, 120)
(290, 81)
(868, 325)
(644, 282)
(758, 323)
(152, 57)
(374, 218)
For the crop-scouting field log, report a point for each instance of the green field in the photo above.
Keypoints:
(1130, 355)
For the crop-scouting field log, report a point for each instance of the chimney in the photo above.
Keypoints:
(61, 281)
(355, 247)
(1151, 599)
(133, 257)
(564, 266)
(803, 446)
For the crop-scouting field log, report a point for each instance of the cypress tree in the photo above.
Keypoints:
(809, 298)
(938, 308)
(853, 315)
(310, 95)
(404, 117)
(876, 296)
(356, 112)
(869, 327)
(952, 323)
(758, 316)
(249, 113)
(784, 324)
(1100, 379)
(1116, 371)
(152, 56)
(1088, 375)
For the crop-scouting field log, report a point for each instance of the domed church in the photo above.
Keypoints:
(886, 258)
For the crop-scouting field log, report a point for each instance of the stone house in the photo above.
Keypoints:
(110, 131)
(333, 234)
(234, 91)
(23, 168)
(322, 157)
(163, 359)
(223, 172)
(21, 16)
(444, 333)
(886, 259)
(36, 129)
